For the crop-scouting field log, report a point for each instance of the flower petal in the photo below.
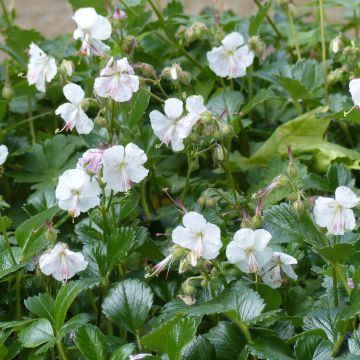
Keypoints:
(134, 155)
(84, 124)
(101, 28)
(173, 108)
(74, 93)
(262, 239)
(4, 152)
(245, 237)
(346, 197)
(194, 221)
(85, 17)
(354, 87)
(195, 104)
(235, 252)
(232, 41)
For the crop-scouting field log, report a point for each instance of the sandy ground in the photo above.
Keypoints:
(53, 17)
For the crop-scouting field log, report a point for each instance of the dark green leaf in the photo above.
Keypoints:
(38, 332)
(42, 305)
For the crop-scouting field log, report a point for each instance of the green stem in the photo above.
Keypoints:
(245, 330)
(61, 350)
(293, 33)
(268, 18)
(337, 345)
(144, 201)
(7, 241)
(297, 106)
(227, 168)
(356, 24)
(342, 278)
(153, 95)
(31, 122)
(18, 295)
(335, 289)
(171, 36)
(188, 174)
(5, 12)
(138, 342)
(323, 49)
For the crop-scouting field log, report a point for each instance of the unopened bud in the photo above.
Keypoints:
(208, 131)
(292, 170)
(218, 153)
(51, 234)
(188, 289)
(219, 35)
(7, 92)
(67, 68)
(201, 200)
(119, 14)
(185, 77)
(335, 75)
(175, 72)
(227, 130)
(194, 138)
(189, 34)
(100, 121)
(336, 44)
(207, 118)
(178, 252)
(200, 29)
(256, 221)
(204, 283)
(85, 104)
(257, 45)
(210, 202)
(299, 205)
(246, 223)
(147, 69)
(130, 44)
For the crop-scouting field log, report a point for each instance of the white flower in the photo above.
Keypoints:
(4, 152)
(62, 263)
(272, 270)
(72, 112)
(336, 214)
(354, 87)
(173, 127)
(91, 161)
(41, 68)
(232, 58)
(248, 250)
(123, 166)
(92, 29)
(139, 356)
(117, 80)
(77, 192)
(199, 236)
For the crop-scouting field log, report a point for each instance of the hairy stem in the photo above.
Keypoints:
(31, 122)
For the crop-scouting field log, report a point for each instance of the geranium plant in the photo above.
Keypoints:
(181, 187)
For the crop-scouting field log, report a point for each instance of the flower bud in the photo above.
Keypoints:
(178, 252)
(200, 29)
(299, 205)
(207, 118)
(336, 44)
(188, 289)
(119, 14)
(352, 54)
(190, 34)
(257, 45)
(292, 170)
(227, 130)
(204, 283)
(208, 131)
(335, 75)
(175, 72)
(146, 69)
(166, 72)
(246, 223)
(256, 221)
(218, 153)
(185, 77)
(219, 35)
(210, 202)
(100, 121)
(67, 68)
(130, 44)
(184, 266)
(85, 104)
(7, 92)
(194, 138)
(51, 234)
(201, 201)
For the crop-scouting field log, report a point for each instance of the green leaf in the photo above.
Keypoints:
(228, 341)
(127, 205)
(43, 164)
(75, 322)
(270, 348)
(305, 135)
(6, 262)
(65, 298)
(42, 305)
(38, 332)
(337, 252)
(91, 342)
(287, 225)
(258, 19)
(261, 96)
(313, 347)
(123, 352)
(200, 348)
(225, 102)
(180, 335)
(119, 243)
(128, 304)
(354, 342)
(139, 103)
(29, 233)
